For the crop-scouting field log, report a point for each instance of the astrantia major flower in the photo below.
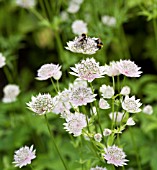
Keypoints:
(41, 104)
(85, 45)
(125, 90)
(26, 3)
(98, 168)
(116, 116)
(107, 132)
(115, 156)
(131, 105)
(107, 91)
(23, 156)
(81, 96)
(148, 109)
(11, 91)
(130, 122)
(75, 123)
(73, 7)
(98, 137)
(2, 60)
(48, 71)
(111, 69)
(88, 70)
(108, 20)
(103, 104)
(79, 27)
(128, 68)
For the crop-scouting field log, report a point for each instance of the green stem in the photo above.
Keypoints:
(136, 149)
(7, 74)
(53, 140)
(31, 167)
(54, 86)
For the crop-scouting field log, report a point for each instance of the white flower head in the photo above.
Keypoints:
(79, 27)
(130, 122)
(111, 69)
(73, 7)
(148, 109)
(117, 116)
(103, 104)
(78, 83)
(26, 3)
(98, 168)
(23, 156)
(107, 132)
(131, 105)
(41, 104)
(93, 111)
(115, 156)
(48, 71)
(64, 15)
(88, 70)
(98, 137)
(125, 90)
(2, 60)
(11, 91)
(128, 68)
(75, 123)
(108, 20)
(78, 1)
(81, 96)
(85, 45)
(107, 91)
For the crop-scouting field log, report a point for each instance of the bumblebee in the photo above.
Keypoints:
(99, 43)
(82, 38)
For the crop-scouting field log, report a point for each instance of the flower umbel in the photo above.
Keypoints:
(128, 68)
(75, 123)
(131, 105)
(98, 168)
(148, 109)
(115, 156)
(81, 96)
(85, 45)
(88, 70)
(79, 27)
(11, 91)
(41, 104)
(23, 156)
(107, 91)
(48, 71)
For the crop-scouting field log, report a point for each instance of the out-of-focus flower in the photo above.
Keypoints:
(73, 7)
(98, 137)
(131, 105)
(108, 20)
(107, 91)
(148, 109)
(98, 168)
(125, 90)
(128, 68)
(115, 156)
(78, 1)
(48, 71)
(75, 123)
(26, 3)
(130, 122)
(2, 60)
(117, 116)
(111, 69)
(107, 132)
(103, 104)
(41, 104)
(79, 27)
(11, 91)
(64, 16)
(81, 96)
(88, 70)
(62, 102)
(23, 156)
(84, 45)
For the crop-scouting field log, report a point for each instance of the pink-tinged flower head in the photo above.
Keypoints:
(125, 90)
(98, 137)
(98, 168)
(111, 69)
(48, 71)
(41, 104)
(103, 104)
(23, 156)
(115, 156)
(130, 122)
(88, 70)
(81, 96)
(128, 68)
(2, 60)
(131, 105)
(75, 123)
